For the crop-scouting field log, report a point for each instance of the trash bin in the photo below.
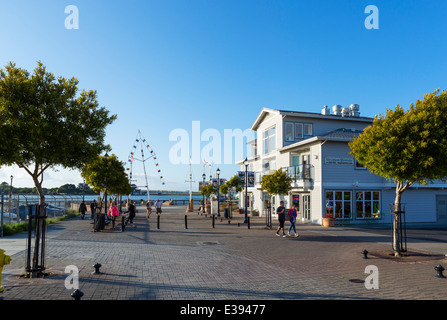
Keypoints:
(226, 213)
(100, 220)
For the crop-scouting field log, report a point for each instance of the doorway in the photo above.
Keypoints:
(441, 210)
(306, 208)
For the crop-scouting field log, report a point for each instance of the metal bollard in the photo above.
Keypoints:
(248, 222)
(365, 252)
(77, 294)
(439, 270)
(213, 220)
(123, 226)
(158, 221)
(186, 221)
(97, 266)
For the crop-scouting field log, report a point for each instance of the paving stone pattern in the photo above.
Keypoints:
(228, 262)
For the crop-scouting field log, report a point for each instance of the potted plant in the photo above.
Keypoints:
(329, 220)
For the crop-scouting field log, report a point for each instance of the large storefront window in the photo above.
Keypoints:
(367, 204)
(339, 204)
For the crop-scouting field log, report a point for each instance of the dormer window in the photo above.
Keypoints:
(268, 139)
(308, 129)
(298, 130)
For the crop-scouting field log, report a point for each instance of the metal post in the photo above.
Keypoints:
(203, 204)
(1, 223)
(10, 200)
(158, 221)
(186, 221)
(218, 192)
(213, 221)
(248, 222)
(246, 188)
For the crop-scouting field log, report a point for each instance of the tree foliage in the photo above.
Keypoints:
(106, 173)
(45, 123)
(207, 190)
(407, 146)
(277, 183)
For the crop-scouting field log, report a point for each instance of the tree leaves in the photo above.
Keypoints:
(43, 122)
(277, 183)
(407, 146)
(107, 172)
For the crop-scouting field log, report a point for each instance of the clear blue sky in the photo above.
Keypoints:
(159, 65)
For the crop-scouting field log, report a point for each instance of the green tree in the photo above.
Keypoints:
(408, 147)
(67, 188)
(207, 190)
(276, 183)
(44, 123)
(236, 183)
(106, 174)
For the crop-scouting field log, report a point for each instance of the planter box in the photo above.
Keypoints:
(328, 222)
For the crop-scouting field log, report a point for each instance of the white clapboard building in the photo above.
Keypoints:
(313, 149)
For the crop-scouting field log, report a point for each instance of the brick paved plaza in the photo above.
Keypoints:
(227, 262)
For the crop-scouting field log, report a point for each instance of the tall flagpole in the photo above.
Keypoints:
(144, 167)
(191, 203)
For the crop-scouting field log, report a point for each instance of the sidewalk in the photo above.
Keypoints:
(227, 262)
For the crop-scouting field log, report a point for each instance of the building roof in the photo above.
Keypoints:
(342, 134)
(265, 111)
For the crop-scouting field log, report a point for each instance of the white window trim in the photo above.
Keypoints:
(311, 129)
(343, 201)
(356, 167)
(296, 131)
(371, 201)
(268, 151)
(292, 124)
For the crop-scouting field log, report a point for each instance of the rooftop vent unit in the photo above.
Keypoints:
(354, 110)
(325, 111)
(337, 109)
(345, 112)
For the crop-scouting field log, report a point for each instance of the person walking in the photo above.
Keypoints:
(82, 209)
(281, 211)
(292, 219)
(158, 205)
(93, 208)
(148, 209)
(113, 211)
(131, 211)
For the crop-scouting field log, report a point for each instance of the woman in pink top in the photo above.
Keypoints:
(114, 211)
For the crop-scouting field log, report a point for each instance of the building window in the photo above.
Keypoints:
(269, 140)
(359, 165)
(298, 130)
(339, 204)
(367, 204)
(307, 129)
(288, 132)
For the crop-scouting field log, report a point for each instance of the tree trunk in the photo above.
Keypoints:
(396, 222)
(397, 206)
(38, 228)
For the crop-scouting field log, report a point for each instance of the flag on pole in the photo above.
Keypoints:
(204, 163)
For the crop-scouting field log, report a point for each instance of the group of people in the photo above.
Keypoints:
(292, 213)
(158, 205)
(113, 211)
(83, 209)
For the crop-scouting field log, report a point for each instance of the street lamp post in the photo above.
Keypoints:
(218, 192)
(203, 184)
(10, 202)
(105, 190)
(246, 188)
(83, 190)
